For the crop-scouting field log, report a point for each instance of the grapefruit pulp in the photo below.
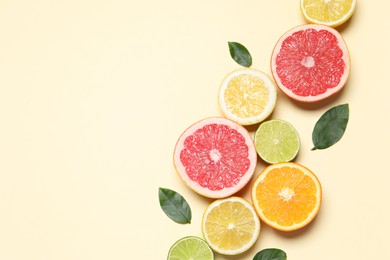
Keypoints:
(215, 157)
(310, 62)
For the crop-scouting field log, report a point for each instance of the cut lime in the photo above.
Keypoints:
(277, 141)
(190, 248)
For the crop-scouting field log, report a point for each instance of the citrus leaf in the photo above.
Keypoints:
(174, 206)
(240, 54)
(330, 127)
(270, 254)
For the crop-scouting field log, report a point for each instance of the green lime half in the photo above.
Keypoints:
(190, 248)
(277, 141)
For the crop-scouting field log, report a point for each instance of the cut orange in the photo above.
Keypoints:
(286, 196)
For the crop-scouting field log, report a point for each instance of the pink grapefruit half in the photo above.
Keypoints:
(310, 62)
(215, 157)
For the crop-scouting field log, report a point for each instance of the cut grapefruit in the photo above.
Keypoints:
(310, 63)
(215, 157)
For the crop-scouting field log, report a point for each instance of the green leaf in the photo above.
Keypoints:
(174, 206)
(330, 127)
(240, 54)
(270, 254)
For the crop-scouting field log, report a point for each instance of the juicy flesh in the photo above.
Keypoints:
(246, 96)
(230, 225)
(327, 10)
(277, 141)
(190, 249)
(310, 62)
(287, 196)
(215, 156)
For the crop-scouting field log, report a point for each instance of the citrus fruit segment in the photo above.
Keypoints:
(190, 248)
(310, 63)
(277, 141)
(230, 226)
(286, 196)
(215, 157)
(328, 12)
(247, 96)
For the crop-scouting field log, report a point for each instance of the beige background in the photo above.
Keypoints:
(94, 94)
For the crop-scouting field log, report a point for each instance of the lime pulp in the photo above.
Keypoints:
(190, 248)
(277, 141)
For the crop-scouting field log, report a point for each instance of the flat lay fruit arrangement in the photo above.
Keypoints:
(216, 157)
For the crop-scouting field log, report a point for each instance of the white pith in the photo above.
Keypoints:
(286, 194)
(215, 155)
(308, 62)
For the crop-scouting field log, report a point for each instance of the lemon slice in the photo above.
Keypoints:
(230, 226)
(277, 141)
(247, 96)
(190, 248)
(328, 12)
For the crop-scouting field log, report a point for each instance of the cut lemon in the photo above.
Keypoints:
(247, 96)
(230, 226)
(286, 196)
(277, 141)
(190, 248)
(328, 12)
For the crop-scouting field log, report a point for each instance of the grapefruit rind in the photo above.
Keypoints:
(330, 91)
(195, 186)
(268, 109)
(255, 234)
(333, 23)
(274, 224)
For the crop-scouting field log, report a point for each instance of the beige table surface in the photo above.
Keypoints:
(94, 94)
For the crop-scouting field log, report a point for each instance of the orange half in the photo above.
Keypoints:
(286, 196)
